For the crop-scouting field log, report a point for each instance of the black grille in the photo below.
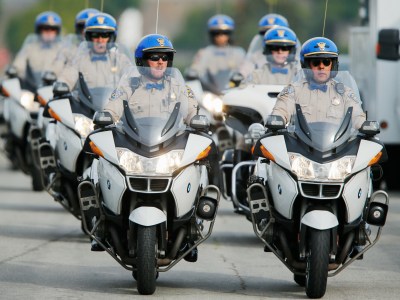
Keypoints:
(158, 184)
(139, 184)
(330, 190)
(310, 189)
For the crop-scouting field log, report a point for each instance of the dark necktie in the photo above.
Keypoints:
(275, 70)
(158, 86)
(99, 58)
(316, 86)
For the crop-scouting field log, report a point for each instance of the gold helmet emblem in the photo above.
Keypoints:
(321, 46)
(100, 20)
(161, 42)
(91, 14)
(271, 21)
(281, 33)
(51, 20)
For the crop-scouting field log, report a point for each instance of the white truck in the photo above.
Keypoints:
(375, 65)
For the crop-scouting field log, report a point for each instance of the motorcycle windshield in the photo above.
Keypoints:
(158, 105)
(100, 67)
(216, 82)
(332, 125)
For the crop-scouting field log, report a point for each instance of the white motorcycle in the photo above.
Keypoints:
(61, 158)
(311, 199)
(149, 202)
(246, 109)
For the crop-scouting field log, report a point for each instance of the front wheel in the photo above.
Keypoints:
(146, 273)
(317, 262)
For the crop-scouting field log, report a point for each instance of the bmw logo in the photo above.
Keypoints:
(359, 193)
(65, 146)
(188, 187)
(279, 189)
(108, 184)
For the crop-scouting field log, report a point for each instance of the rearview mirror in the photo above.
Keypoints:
(60, 89)
(102, 119)
(200, 122)
(388, 44)
(48, 78)
(11, 72)
(275, 123)
(370, 128)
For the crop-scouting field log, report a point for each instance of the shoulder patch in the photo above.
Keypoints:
(116, 94)
(190, 93)
(287, 90)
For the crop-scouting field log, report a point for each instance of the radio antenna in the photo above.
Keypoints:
(218, 6)
(102, 5)
(158, 8)
(326, 9)
(86, 3)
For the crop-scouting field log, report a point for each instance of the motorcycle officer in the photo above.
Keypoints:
(221, 55)
(255, 57)
(71, 42)
(320, 96)
(40, 50)
(280, 51)
(98, 59)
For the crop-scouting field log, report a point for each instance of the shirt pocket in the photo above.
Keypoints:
(335, 112)
(306, 109)
(135, 107)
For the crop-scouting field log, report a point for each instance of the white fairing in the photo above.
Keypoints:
(194, 146)
(18, 118)
(51, 134)
(254, 96)
(147, 216)
(283, 189)
(62, 108)
(105, 142)
(320, 219)
(184, 189)
(112, 185)
(355, 194)
(276, 145)
(68, 147)
(45, 92)
(366, 152)
(13, 87)
(260, 169)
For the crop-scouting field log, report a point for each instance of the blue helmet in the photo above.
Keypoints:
(270, 20)
(220, 23)
(48, 19)
(101, 22)
(153, 43)
(280, 36)
(319, 47)
(81, 18)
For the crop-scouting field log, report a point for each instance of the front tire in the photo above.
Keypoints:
(317, 262)
(146, 273)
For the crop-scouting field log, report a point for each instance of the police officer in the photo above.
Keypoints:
(320, 96)
(99, 59)
(255, 57)
(281, 64)
(71, 42)
(153, 55)
(40, 50)
(221, 56)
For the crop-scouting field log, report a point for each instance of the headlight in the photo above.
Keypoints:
(83, 125)
(27, 101)
(306, 169)
(212, 103)
(165, 164)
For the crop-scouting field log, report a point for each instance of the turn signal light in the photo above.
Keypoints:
(375, 159)
(96, 150)
(204, 153)
(266, 153)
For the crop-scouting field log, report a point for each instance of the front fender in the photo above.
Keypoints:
(147, 216)
(320, 219)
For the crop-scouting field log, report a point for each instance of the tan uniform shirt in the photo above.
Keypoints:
(38, 54)
(67, 52)
(215, 59)
(145, 102)
(268, 75)
(97, 73)
(317, 105)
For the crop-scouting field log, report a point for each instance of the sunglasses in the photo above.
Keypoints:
(316, 62)
(276, 48)
(157, 57)
(48, 28)
(104, 35)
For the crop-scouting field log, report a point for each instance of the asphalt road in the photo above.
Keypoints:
(44, 255)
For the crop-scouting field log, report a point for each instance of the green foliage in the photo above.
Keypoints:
(23, 24)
